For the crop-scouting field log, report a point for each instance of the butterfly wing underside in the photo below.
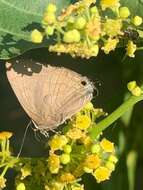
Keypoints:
(49, 96)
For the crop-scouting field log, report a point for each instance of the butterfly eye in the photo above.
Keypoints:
(84, 83)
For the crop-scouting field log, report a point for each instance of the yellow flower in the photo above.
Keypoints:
(112, 27)
(92, 161)
(2, 182)
(36, 36)
(109, 4)
(93, 28)
(131, 48)
(54, 163)
(110, 45)
(25, 171)
(67, 178)
(21, 186)
(49, 18)
(107, 146)
(87, 141)
(88, 106)
(101, 174)
(80, 49)
(5, 135)
(58, 142)
(82, 122)
(75, 133)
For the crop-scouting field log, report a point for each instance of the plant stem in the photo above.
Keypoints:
(102, 125)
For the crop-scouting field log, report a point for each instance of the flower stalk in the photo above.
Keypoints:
(102, 125)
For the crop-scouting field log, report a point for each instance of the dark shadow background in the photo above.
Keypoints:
(113, 75)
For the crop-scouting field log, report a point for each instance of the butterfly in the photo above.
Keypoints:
(50, 95)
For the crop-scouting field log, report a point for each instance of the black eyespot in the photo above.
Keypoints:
(83, 82)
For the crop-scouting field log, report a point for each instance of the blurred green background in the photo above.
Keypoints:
(126, 133)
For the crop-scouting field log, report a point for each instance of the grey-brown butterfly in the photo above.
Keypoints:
(48, 94)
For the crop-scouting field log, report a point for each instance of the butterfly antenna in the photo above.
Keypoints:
(23, 140)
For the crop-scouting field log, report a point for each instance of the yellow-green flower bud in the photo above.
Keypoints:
(68, 37)
(71, 19)
(36, 36)
(137, 20)
(124, 12)
(131, 49)
(51, 8)
(94, 10)
(76, 35)
(71, 36)
(131, 85)
(95, 50)
(20, 186)
(88, 106)
(113, 159)
(65, 158)
(95, 148)
(110, 165)
(137, 91)
(67, 149)
(80, 23)
(49, 30)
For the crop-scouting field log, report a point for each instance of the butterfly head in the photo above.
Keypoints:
(88, 85)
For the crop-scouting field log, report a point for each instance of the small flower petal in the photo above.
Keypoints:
(107, 146)
(102, 174)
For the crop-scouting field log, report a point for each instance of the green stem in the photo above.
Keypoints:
(140, 48)
(4, 171)
(102, 125)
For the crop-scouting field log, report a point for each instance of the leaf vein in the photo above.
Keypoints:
(19, 9)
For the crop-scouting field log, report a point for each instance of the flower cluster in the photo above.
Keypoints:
(83, 28)
(6, 161)
(71, 154)
(134, 88)
(74, 152)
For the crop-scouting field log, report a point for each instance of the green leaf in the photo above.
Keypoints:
(17, 20)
